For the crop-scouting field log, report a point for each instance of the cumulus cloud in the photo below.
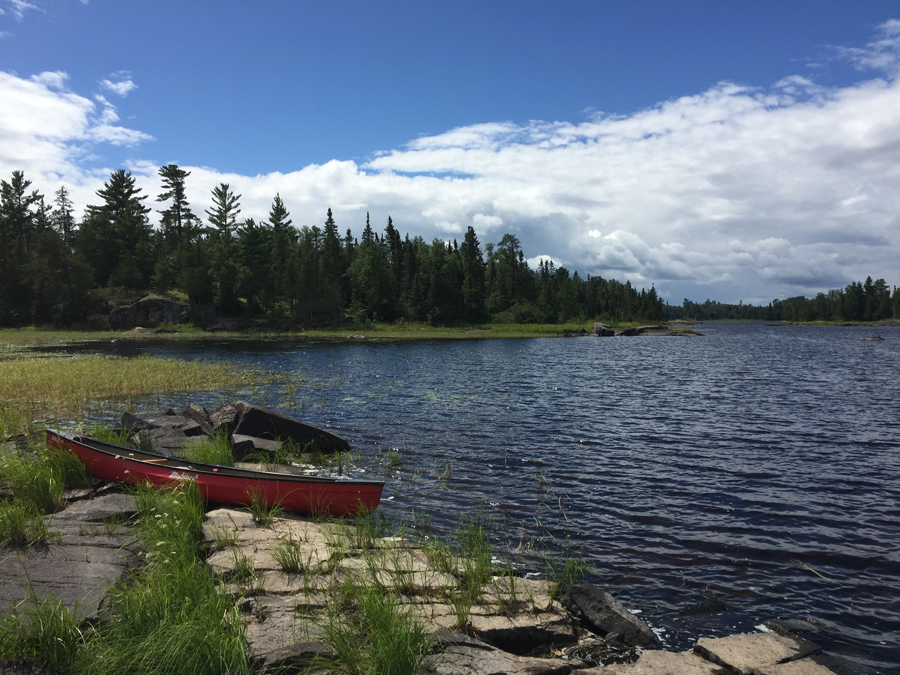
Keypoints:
(732, 193)
(122, 84)
(48, 131)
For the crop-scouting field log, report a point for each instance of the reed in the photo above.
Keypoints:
(35, 386)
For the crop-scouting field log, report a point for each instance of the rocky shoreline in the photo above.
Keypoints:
(510, 624)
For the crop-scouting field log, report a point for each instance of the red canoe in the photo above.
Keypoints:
(222, 484)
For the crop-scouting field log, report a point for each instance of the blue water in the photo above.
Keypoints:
(759, 465)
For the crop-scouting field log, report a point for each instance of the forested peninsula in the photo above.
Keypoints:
(56, 270)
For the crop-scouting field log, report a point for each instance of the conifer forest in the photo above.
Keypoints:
(58, 270)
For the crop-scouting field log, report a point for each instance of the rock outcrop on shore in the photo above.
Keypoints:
(285, 573)
(251, 429)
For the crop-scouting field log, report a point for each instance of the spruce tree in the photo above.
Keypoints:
(178, 223)
(115, 238)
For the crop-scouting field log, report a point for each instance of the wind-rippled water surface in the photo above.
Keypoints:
(758, 465)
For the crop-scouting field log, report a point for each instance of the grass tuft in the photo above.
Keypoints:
(45, 633)
(372, 633)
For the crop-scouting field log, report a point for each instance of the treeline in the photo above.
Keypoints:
(55, 269)
(52, 265)
(859, 301)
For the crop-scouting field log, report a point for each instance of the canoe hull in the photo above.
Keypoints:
(224, 485)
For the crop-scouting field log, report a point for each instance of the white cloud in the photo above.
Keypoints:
(734, 192)
(484, 223)
(883, 54)
(19, 7)
(47, 131)
(122, 86)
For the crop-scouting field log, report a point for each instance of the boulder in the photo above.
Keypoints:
(100, 509)
(262, 423)
(607, 617)
(177, 423)
(225, 417)
(199, 414)
(242, 446)
(602, 330)
(706, 606)
(133, 423)
(151, 310)
(168, 442)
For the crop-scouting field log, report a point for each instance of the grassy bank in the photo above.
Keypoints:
(34, 386)
(13, 340)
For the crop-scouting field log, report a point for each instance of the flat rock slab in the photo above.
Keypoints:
(654, 662)
(750, 653)
(801, 667)
(77, 570)
(100, 509)
(464, 656)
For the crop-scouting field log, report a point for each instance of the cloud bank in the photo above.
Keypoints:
(733, 193)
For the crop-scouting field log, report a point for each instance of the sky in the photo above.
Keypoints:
(737, 151)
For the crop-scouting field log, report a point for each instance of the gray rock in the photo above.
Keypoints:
(106, 507)
(606, 616)
(77, 569)
(706, 606)
(225, 417)
(199, 414)
(163, 441)
(242, 446)
(185, 425)
(262, 423)
(149, 311)
(465, 656)
(602, 330)
(133, 423)
(755, 651)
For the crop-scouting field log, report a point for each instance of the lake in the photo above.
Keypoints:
(758, 465)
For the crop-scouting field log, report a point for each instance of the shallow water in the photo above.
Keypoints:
(759, 465)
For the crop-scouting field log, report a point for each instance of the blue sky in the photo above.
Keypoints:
(731, 150)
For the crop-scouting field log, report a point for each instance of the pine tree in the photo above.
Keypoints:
(223, 217)
(62, 217)
(473, 277)
(115, 238)
(178, 222)
(282, 256)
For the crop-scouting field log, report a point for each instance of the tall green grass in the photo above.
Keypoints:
(372, 633)
(44, 632)
(170, 618)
